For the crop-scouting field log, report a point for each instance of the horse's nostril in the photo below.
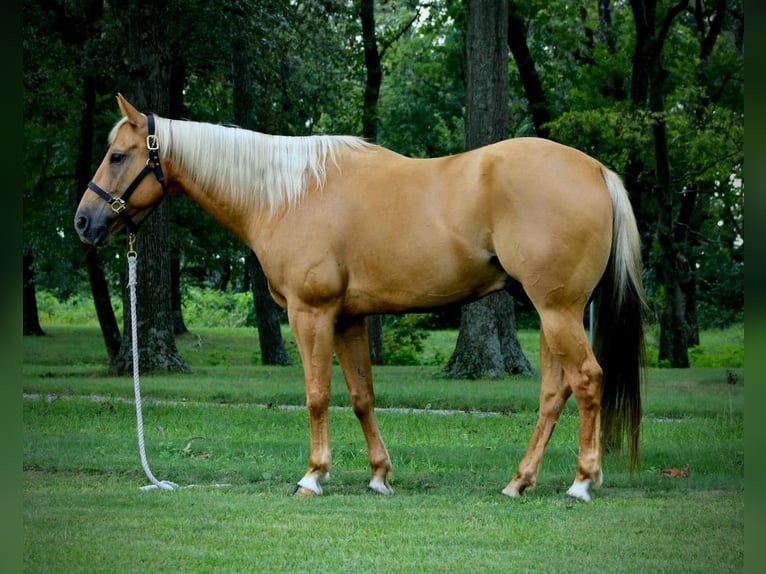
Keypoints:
(81, 223)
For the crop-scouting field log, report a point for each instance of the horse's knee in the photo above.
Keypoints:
(317, 400)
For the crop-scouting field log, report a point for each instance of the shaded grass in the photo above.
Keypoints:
(71, 361)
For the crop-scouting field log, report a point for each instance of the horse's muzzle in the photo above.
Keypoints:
(96, 234)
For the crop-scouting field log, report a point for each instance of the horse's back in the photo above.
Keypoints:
(391, 233)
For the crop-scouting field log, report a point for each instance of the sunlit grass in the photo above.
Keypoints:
(227, 422)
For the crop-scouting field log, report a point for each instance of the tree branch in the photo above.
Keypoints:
(392, 40)
(670, 15)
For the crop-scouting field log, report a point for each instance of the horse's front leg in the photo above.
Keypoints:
(313, 330)
(353, 352)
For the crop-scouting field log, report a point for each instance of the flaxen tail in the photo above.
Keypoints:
(618, 340)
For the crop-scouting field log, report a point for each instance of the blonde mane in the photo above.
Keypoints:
(251, 168)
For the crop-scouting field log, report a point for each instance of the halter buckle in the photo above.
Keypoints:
(152, 142)
(118, 205)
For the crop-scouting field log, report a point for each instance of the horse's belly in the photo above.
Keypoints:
(404, 288)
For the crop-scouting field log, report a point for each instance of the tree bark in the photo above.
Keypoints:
(110, 330)
(31, 316)
(487, 345)
(267, 316)
(533, 87)
(148, 61)
(176, 301)
(648, 83)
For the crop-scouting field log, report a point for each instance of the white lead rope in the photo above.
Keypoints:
(161, 484)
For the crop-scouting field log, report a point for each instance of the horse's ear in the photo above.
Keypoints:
(134, 116)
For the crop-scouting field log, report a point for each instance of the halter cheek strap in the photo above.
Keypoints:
(118, 204)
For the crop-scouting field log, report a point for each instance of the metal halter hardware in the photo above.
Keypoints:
(152, 166)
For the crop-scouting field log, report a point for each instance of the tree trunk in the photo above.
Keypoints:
(176, 111)
(267, 316)
(487, 345)
(110, 330)
(373, 81)
(670, 266)
(266, 310)
(148, 61)
(31, 316)
(648, 91)
(102, 301)
(176, 301)
(533, 87)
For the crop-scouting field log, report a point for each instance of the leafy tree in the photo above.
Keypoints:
(55, 176)
(693, 122)
(422, 102)
(308, 76)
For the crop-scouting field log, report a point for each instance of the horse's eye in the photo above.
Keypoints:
(116, 158)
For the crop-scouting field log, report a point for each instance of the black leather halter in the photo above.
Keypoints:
(152, 166)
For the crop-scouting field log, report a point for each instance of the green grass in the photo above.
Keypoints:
(83, 510)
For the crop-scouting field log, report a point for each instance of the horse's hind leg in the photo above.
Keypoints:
(553, 396)
(568, 344)
(352, 350)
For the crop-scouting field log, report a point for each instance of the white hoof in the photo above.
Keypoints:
(579, 490)
(517, 487)
(308, 483)
(381, 486)
(512, 491)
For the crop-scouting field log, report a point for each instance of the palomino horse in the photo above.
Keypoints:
(344, 229)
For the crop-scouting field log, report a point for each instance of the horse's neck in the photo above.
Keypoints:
(242, 222)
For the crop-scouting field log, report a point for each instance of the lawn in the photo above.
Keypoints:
(454, 446)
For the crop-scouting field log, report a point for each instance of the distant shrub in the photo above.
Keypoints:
(720, 348)
(404, 339)
(213, 308)
(76, 310)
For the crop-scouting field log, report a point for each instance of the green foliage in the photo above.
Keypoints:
(403, 339)
(307, 77)
(718, 348)
(212, 308)
(75, 310)
(422, 96)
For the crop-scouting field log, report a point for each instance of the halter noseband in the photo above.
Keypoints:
(152, 166)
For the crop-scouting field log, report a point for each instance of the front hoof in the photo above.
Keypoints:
(515, 489)
(308, 486)
(579, 491)
(380, 486)
(303, 491)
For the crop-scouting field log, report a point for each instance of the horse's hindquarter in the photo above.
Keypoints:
(551, 216)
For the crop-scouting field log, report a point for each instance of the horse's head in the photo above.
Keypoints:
(120, 194)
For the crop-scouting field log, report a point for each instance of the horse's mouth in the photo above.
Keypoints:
(97, 238)
(95, 234)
